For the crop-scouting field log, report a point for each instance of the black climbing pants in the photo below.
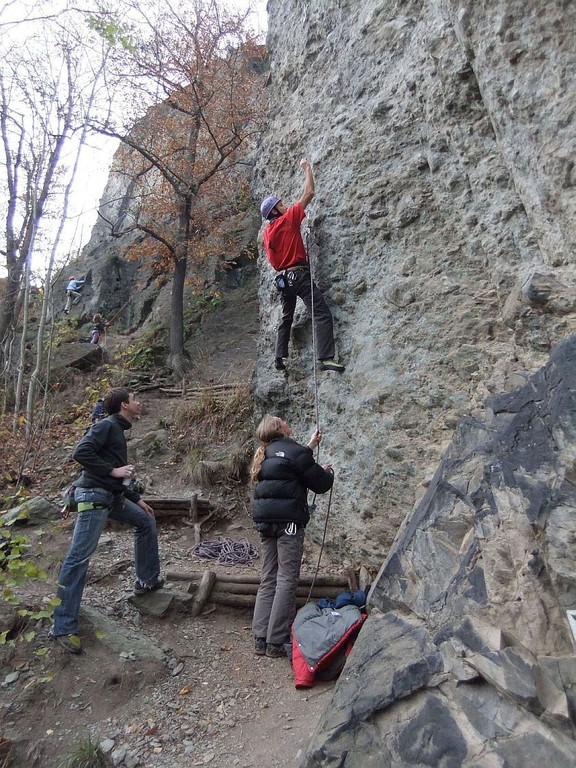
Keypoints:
(298, 284)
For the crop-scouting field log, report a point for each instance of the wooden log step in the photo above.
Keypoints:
(251, 589)
(178, 504)
(241, 601)
(229, 578)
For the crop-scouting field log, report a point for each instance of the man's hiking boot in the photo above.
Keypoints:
(275, 651)
(279, 364)
(260, 646)
(143, 589)
(330, 365)
(70, 643)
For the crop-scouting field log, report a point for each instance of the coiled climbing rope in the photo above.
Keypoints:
(227, 551)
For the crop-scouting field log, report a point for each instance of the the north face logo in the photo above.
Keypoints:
(281, 454)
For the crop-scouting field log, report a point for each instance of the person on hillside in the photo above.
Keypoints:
(98, 412)
(73, 295)
(101, 492)
(28, 357)
(286, 253)
(284, 471)
(98, 329)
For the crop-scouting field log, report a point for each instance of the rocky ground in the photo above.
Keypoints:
(159, 692)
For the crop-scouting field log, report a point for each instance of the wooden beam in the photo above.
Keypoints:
(242, 601)
(252, 589)
(229, 578)
(203, 593)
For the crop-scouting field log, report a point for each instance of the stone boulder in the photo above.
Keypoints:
(407, 698)
(33, 511)
(82, 357)
(467, 657)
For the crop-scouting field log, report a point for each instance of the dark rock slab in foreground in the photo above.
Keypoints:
(467, 657)
(400, 702)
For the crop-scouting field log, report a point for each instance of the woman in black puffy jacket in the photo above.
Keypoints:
(284, 472)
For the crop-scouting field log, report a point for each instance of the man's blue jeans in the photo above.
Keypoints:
(89, 526)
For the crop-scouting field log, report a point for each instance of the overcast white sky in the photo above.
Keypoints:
(97, 157)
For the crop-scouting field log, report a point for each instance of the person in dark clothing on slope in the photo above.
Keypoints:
(98, 412)
(284, 472)
(101, 492)
(98, 329)
(286, 253)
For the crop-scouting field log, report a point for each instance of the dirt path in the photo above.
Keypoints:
(210, 700)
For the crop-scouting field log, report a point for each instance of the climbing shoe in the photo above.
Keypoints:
(143, 589)
(275, 651)
(70, 643)
(279, 364)
(330, 365)
(260, 646)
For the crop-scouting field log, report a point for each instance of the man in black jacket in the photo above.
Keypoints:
(102, 491)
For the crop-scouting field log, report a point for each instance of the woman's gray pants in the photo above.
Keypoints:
(275, 607)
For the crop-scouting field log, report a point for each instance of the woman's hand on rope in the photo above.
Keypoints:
(315, 439)
(329, 468)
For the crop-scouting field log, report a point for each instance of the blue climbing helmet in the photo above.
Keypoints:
(268, 204)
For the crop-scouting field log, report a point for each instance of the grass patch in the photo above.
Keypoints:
(86, 755)
(213, 434)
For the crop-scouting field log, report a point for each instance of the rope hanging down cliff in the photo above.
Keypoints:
(288, 255)
(317, 415)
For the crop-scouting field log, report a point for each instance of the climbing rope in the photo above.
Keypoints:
(321, 545)
(317, 413)
(314, 350)
(227, 551)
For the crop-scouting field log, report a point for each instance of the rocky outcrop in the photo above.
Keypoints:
(80, 356)
(467, 658)
(122, 285)
(442, 234)
(468, 700)
(495, 531)
(442, 231)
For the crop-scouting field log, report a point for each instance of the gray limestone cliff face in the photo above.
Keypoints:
(442, 137)
(442, 233)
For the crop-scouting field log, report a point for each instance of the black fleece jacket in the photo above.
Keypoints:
(287, 473)
(101, 450)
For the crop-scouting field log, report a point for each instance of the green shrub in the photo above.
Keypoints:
(86, 755)
(14, 571)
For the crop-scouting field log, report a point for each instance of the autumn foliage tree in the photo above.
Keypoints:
(186, 156)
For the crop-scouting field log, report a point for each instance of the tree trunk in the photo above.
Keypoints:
(177, 360)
